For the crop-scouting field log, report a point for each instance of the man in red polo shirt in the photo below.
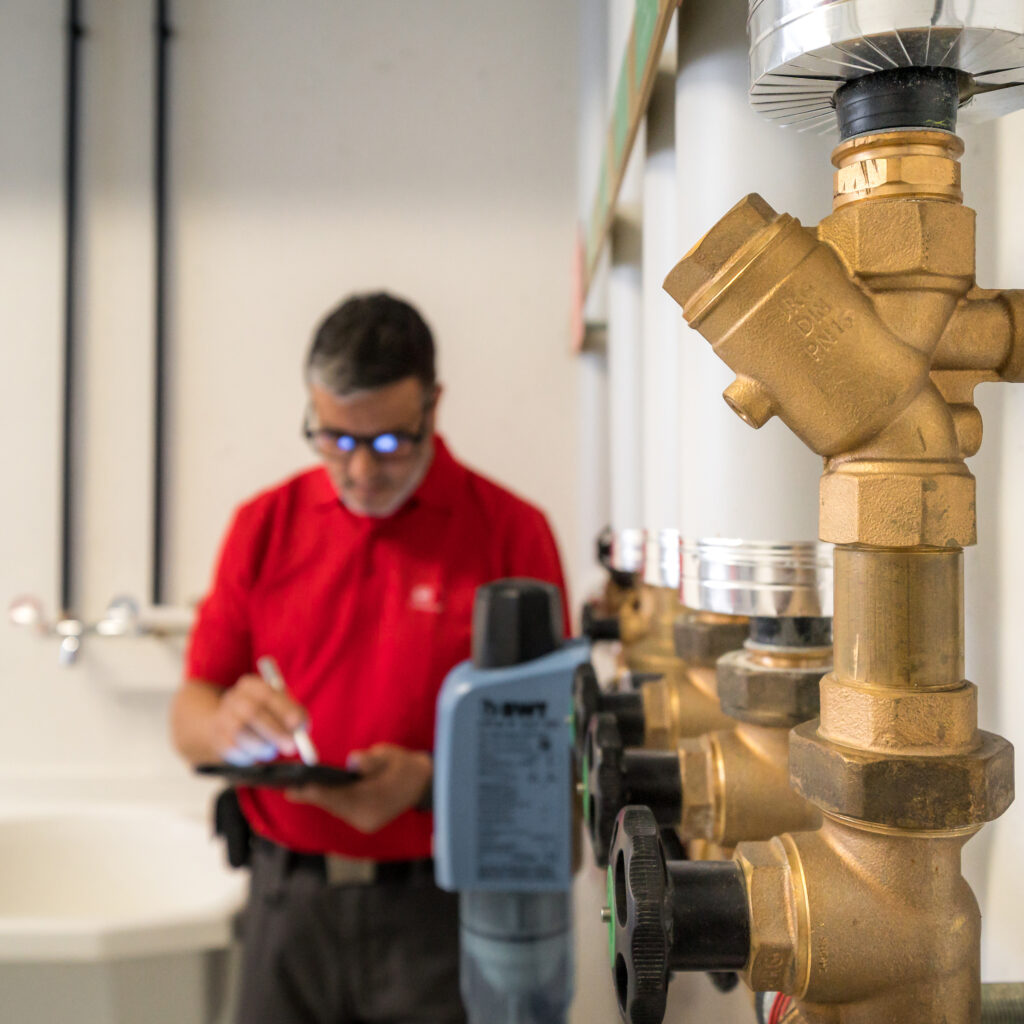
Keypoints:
(358, 578)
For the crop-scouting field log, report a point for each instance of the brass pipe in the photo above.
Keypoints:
(899, 617)
(855, 334)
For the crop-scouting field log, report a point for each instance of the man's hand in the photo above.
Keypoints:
(394, 780)
(254, 722)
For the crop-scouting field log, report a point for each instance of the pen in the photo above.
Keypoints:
(272, 674)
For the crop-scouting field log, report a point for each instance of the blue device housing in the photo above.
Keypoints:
(503, 775)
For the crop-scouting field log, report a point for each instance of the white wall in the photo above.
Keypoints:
(735, 482)
(317, 148)
(995, 569)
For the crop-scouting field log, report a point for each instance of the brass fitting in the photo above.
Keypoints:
(736, 786)
(642, 616)
(772, 689)
(898, 743)
(684, 702)
(864, 927)
(867, 337)
(855, 311)
(735, 782)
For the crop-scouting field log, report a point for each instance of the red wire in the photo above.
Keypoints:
(779, 1008)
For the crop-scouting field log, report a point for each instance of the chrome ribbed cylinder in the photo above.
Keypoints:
(762, 579)
(661, 558)
(802, 51)
(627, 554)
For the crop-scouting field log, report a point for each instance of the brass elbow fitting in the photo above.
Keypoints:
(863, 928)
(677, 697)
(638, 612)
(735, 786)
(735, 782)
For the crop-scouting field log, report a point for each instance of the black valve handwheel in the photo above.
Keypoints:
(668, 916)
(615, 775)
(588, 699)
(639, 927)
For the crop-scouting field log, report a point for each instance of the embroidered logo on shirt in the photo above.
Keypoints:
(425, 598)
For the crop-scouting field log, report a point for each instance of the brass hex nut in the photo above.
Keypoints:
(773, 958)
(900, 237)
(903, 791)
(703, 643)
(920, 722)
(767, 696)
(898, 510)
(697, 771)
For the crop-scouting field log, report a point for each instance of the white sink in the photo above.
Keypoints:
(88, 882)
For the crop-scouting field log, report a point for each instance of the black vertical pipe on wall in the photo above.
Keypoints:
(75, 31)
(160, 159)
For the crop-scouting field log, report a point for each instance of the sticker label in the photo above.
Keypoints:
(522, 790)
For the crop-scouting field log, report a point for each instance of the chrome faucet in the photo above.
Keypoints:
(123, 618)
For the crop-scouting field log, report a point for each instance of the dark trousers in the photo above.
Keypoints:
(317, 953)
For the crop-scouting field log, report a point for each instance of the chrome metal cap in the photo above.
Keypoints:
(661, 558)
(802, 51)
(627, 550)
(766, 579)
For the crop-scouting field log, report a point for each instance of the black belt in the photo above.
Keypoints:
(334, 869)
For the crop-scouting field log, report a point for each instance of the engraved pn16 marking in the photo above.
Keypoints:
(814, 317)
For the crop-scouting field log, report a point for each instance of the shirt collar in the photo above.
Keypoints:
(437, 489)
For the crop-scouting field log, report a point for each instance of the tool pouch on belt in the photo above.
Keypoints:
(231, 823)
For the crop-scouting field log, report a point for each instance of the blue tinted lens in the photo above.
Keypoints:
(385, 444)
(346, 443)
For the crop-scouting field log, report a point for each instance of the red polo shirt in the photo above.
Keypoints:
(365, 617)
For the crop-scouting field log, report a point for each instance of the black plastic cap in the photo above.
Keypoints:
(599, 627)
(640, 926)
(515, 620)
(710, 916)
(909, 97)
